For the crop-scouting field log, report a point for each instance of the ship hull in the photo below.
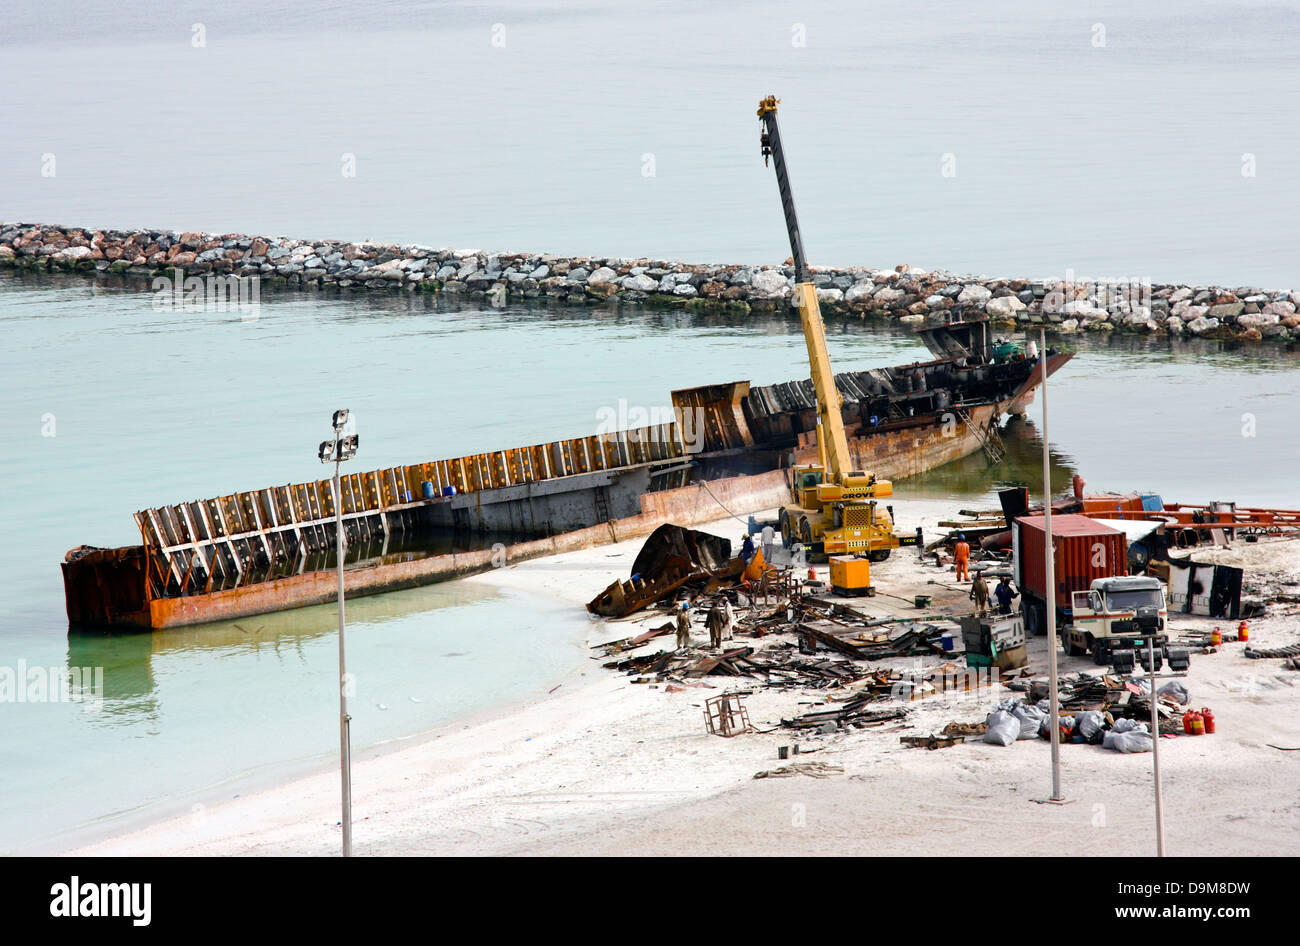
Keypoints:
(690, 505)
(272, 549)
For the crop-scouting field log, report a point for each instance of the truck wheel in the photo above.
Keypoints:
(1067, 643)
(783, 522)
(1036, 618)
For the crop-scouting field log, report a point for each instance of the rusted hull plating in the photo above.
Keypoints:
(271, 549)
(688, 505)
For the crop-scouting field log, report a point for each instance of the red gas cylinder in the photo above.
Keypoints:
(1243, 632)
(1198, 725)
(1187, 721)
(1216, 638)
(1207, 718)
(812, 573)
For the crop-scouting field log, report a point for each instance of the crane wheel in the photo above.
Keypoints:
(879, 555)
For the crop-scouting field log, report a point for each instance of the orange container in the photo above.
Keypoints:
(1083, 549)
(1243, 632)
(1216, 638)
(1187, 721)
(1207, 718)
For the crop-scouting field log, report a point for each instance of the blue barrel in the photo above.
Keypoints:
(426, 490)
(449, 491)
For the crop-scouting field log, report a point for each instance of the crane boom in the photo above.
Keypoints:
(834, 443)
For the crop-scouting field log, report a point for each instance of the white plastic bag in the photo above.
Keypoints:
(1089, 724)
(1004, 729)
(1133, 740)
(1031, 718)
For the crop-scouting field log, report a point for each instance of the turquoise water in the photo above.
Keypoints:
(152, 407)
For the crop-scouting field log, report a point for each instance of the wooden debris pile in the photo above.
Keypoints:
(931, 741)
(781, 667)
(856, 713)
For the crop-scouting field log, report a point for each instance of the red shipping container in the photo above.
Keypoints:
(1084, 549)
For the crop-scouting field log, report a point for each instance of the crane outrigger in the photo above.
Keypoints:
(835, 508)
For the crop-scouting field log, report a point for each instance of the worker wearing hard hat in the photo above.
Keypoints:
(961, 552)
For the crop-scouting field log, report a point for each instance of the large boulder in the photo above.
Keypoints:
(974, 294)
(1226, 311)
(602, 276)
(1257, 321)
(1083, 309)
(860, 291)
(641, 283)
(769, 283)
(1004, 307)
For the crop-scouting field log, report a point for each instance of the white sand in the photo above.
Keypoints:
(607, 766)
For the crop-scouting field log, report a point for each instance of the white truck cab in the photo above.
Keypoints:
(1105, 617)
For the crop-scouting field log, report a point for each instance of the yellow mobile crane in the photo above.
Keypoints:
(834, 509)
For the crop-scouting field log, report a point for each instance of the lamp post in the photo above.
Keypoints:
(1155, 744)
(1049, 566)
(342, 447)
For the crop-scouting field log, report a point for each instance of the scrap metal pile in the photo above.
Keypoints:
(797, 640)
(671, 560)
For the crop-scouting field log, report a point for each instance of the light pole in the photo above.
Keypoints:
(342, 447)
(1049, 565)
(1155, 744)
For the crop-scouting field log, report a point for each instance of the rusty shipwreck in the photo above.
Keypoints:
(727, 452)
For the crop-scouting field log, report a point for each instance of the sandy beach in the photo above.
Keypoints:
(604, 765)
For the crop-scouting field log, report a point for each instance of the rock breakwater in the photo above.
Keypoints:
(1064, 305)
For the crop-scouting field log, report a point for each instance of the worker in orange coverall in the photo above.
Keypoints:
(961, 552)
